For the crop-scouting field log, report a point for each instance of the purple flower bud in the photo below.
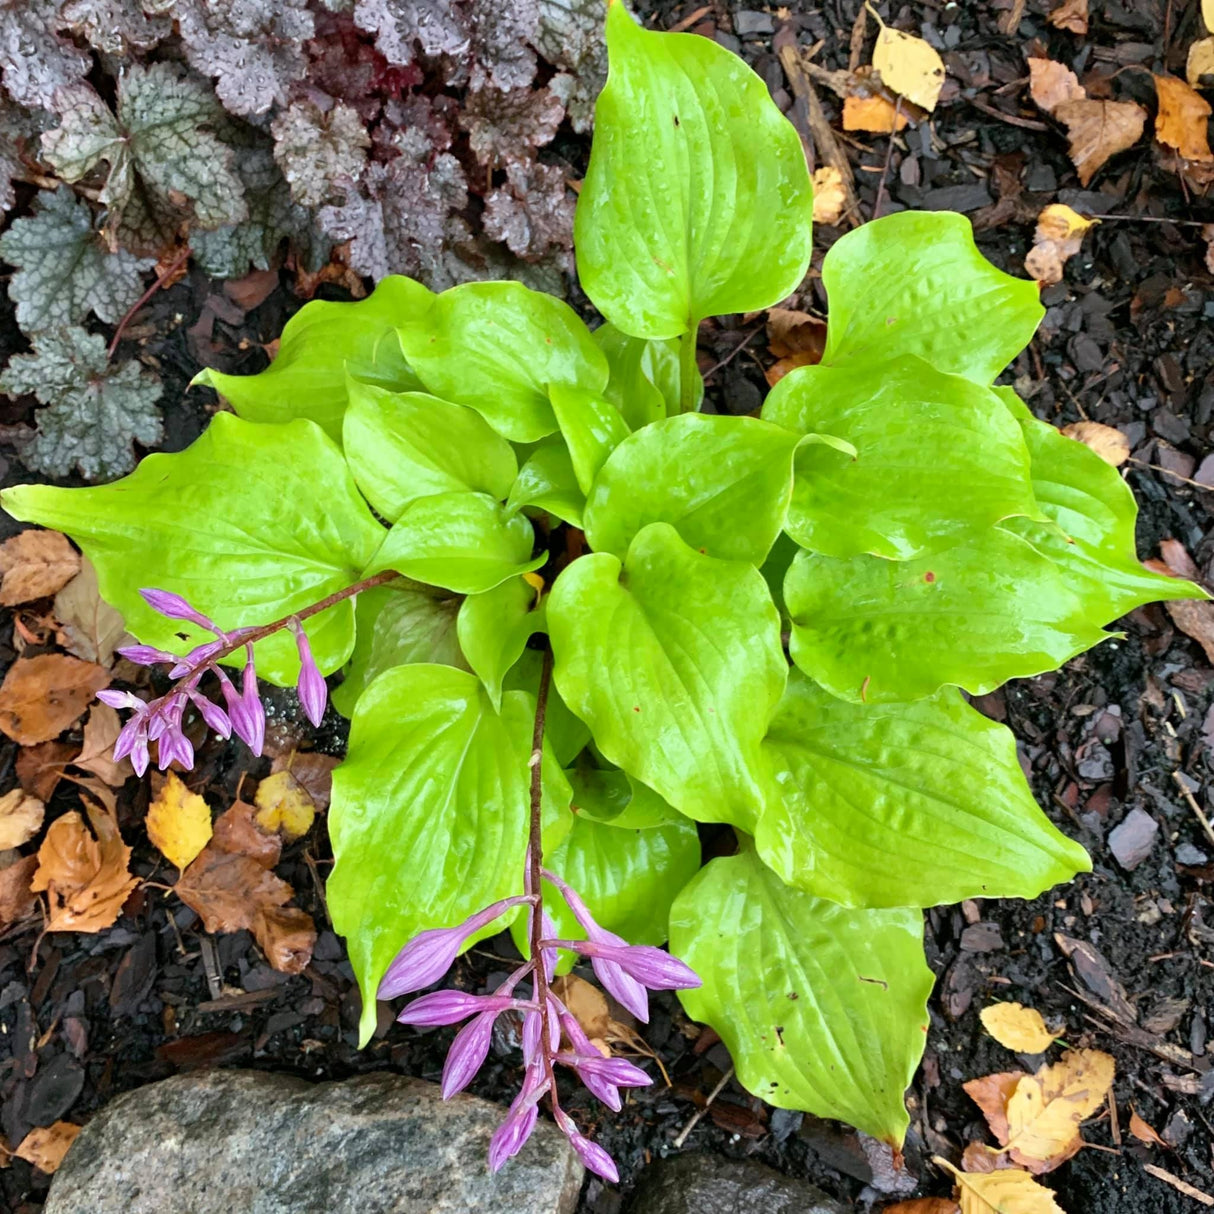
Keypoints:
(652, 967)
(468, 1053)
(533, 1027)
(198, 656)
(214, 716)
(122, 699)
(147, 655)
(450, 1007)
(313, 694)
(176, 608)
(133, 741)
(174, 745)
(430, 954)
(604, 1077)
(508, 1139)
(245, 710)
(590, 1153)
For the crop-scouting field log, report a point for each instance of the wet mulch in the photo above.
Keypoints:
(1127, 341)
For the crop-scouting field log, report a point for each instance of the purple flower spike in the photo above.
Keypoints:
(590, 1153)
(313, 694)
(176, 608)
(468, 1053)
(430, 954)
(450, 1007)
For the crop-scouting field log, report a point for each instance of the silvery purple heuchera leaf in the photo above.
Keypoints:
(34, 60)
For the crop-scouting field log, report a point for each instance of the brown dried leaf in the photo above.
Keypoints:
(88, 626)
(1017, 1027)
(35, 564)
(284, 806)
(16, 897)
(925, 1205)
(792, 332)
(1109, 443)
(40, 697)
(991, 1094)
(228, 890)
(178, 821)
(101, 731)
(314, 771)
(1071, 15)
(40, 768)
(1098, 130)
(1051, 84)
(1181, 121)
(46, 1146)
(586, 1003)
(287, 936)
(1143, 1132)
(1045, 1111)
(236, 831)
(1195, 619)
(830, 196)
(86, 879)
(20, 818)
(1059, 237)
(874, 114)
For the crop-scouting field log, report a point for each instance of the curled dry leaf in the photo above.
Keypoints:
(237, 831)
(35, 564)
(178, 821)
(1017, 1027)
(1143, 1132)
(1071, 15)
(228, 890)
(1045, 1111)
(908, 65)
(1109, 443)
(283, 805)
(874, 114)
(16, 897)
(1051, 83)
(1181, 122)
(1004, 1192)
(20, 818)
(1098, 130)
(46, 1146)
(797, 339)
(1058, 238)
(101, 731)
(287, 936)
(40, 697)
(830, 196)
(86, 878)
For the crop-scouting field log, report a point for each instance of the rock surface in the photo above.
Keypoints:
(222, 1142)
(710, 1184)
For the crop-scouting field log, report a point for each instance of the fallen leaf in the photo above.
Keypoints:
(40, 697)
(1005, 1192)
(1177, 560)
(86, 878)
(1143, 1132)
(228, 889)
(16, 897)
(1181, 121)
(830, 197)
(991, 1094)
(1017, 1027)
(1051, 83)
(236, 831)
(1058, 238)
(20, 818)
(875, 114)
(908, 65)
(287, 936)
(978, 1157)
(283, 805)
(924, 1205)
(1071, 15)
(1098, 130)
(793, 332)
(88, 626)
(40, 768)
(35, 564)
(1110, 444)
(46, 1146)
(586, 1003)
(101, 731)
(314, 771)
(1207, 14)
(1045, 1111)
(178, 821)
(1200, 62)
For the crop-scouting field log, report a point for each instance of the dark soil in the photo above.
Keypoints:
(1127, 341)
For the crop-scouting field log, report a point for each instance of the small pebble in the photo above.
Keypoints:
(1131, 841)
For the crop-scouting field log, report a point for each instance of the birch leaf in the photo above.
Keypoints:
(1017, 1028)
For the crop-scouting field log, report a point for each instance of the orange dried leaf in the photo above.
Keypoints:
(40, 768)
(1017, 1027)
(236, 831)
(873, 114)
(101, 731)
(42, 696)
(991, 1094)
(287, 936)
(925, 1205)
(1071, 15)
(35, 564)
(46, 1146)
(1098, 130)
(20, 818)
(16, 897)
(178, 821)
(586, 1003)
(315, 771)
(1051, 83)
(283, 805)
(228, 890)
(1181, 121)
(1143, 1132)
(1109, 443)
(1059, 237)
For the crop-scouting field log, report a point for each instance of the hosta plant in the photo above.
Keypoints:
(577, 616)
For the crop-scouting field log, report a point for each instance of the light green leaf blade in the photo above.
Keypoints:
(697, 200)
(208, 523)
(547, 481)
(915, 283)
(885, 805)
(461, 541)
(592, 428)
(398, 624)
(405, 445)
(1093, 512)
(935, 458)
(497, 347)
(637, 366)
(975, 616)
(321, 343)
(822, 1008)
(723, 482)
(674, 661)
(628, 879)
(429, 813)
(494, 627)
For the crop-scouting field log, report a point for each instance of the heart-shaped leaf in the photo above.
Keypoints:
(494, 627)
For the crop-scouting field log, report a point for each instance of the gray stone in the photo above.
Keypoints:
(1132, 839)
(709, 1184)
(222, 1142)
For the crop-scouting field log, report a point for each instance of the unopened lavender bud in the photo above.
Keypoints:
(147, 655)
(590, 1153)
(176, 608)
(313, 694)
(450, 1007)
(216, 719)
(467, 1053)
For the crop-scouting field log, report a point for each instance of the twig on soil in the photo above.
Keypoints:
(690, 19)
(1141, 463)
(1180, 223)
(733, 353)
(161, 279)
(1114, 1124)
(1192, 803)
(1029, 124)
(889, 155)
(1178, 1184)
(1131, 1034)
(698, 1116)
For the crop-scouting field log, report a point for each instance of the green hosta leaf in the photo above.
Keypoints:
(915, 283)
(637, 367)
(96, 409)
(614, 798)
(565, 733)
(592, 428)
(697, 200)
(821, 1007)
(935, 458)
(885, 805)
(429, 813)
(166, 165)
(494, 628)
(399, 624)
(497, 347)
(208, 523)
(320, 344)
(722, 482)
(628, 879)
(65, 271)
(405, 445)
(673, 659)
(1092, 512)
(547, 481)
(974, 615)
(460, 541)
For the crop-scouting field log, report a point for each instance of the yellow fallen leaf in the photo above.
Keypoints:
(1003, 1192)
(1109, 443)
(1059, 237)
(908, 65)
(179, 821)
(1046, 1109)
(1181, 121)
(1017, 1028)
(829, 196)
(46, 1146)
(284, 806)
(20, 818)
(1200, 62)
(1207, 14)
